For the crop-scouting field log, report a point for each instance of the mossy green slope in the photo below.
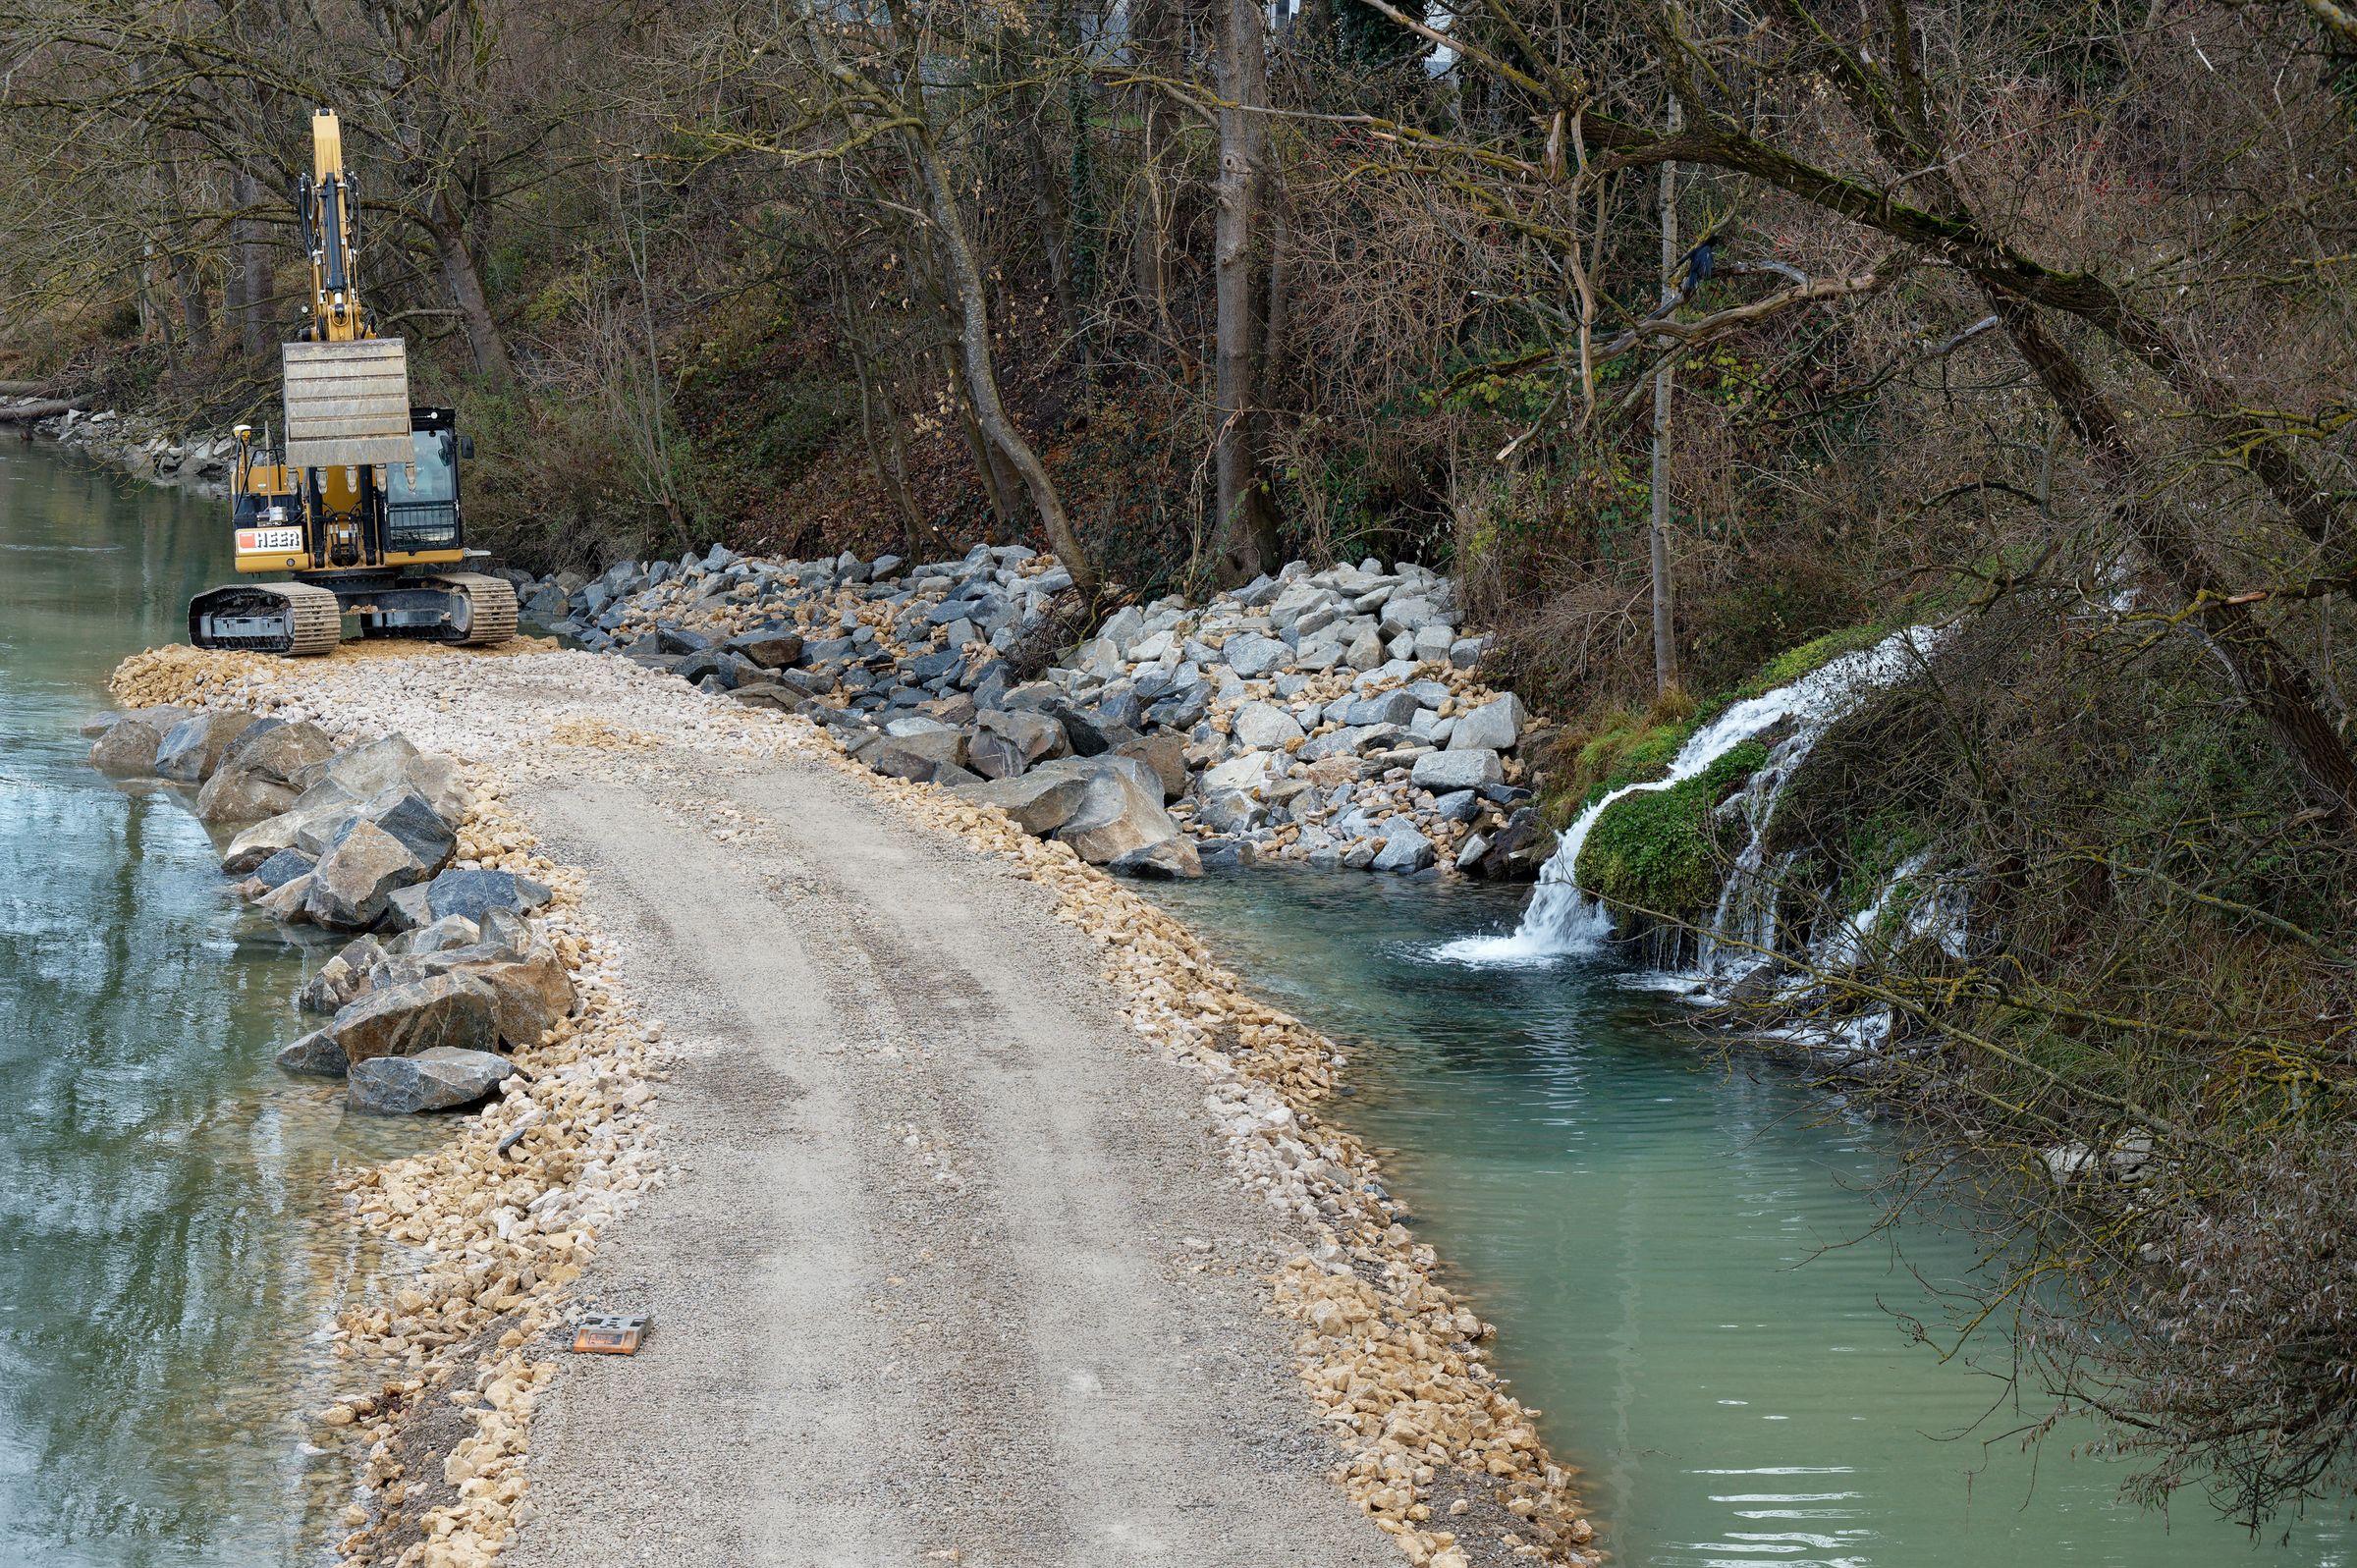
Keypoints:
(1657, 849)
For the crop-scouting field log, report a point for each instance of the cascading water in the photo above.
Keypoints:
(1564, 919)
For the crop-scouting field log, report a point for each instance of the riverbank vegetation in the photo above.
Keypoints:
(1684, 334)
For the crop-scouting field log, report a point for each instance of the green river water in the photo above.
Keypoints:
(168, 1247)
(1649, 1233)
(1667, 1251)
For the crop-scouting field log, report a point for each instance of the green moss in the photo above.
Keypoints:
(1878, 846)
(1657, 849)
(1811, 656)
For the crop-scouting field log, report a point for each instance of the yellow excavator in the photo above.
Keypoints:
(357, 500)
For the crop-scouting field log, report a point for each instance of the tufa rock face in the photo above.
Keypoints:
(441, 1078)
(191, 750)
(354, 880)
(447, 1010)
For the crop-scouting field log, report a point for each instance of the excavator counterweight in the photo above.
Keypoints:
(356, 500)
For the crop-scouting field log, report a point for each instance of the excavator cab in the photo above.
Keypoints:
(421, 496)
(357, 500)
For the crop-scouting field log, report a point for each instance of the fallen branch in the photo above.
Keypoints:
(47, 408)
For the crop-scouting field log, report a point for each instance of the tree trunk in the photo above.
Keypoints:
(246, 298)
(1247, 531)
(981, 375)
(2273, 682)
(1665, 615)
(464, 280)
(1047, 204)
(195, 311)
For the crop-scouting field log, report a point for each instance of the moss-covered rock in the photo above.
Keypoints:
(1657, 849)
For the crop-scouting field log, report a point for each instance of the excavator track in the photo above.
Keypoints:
(288, 618)
(488, 614)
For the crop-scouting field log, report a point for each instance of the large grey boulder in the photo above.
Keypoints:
(530, 994)
(340, 982)
(1165, 754)
(454, 1008)
(281, 868)
(284, 830)
(770, 647)
(931, 757)
(370, 766)
(1040, 803)
(256, 776)
(315, 1053)
(1495, 726)
(1037, 735)
(1165, 861)
(439, 1079)
(436, 936)
(1403, 849)
(130, 744)
(1384, 708)
(480, 896)
(411, 819)
(1125, 628)
(1264, 726)
(1251, 655)
(1246, 771)
(357, 875)
(1442, 772)
(285, 903)
(192, 748)
(994, 756)
(1121, 815)
(1231, 813)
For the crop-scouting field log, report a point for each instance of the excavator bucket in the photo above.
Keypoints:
(348, 403)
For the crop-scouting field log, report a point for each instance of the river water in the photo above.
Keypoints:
(1680, 1262)
(168, 1246)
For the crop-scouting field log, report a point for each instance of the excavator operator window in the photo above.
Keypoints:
(422, 512)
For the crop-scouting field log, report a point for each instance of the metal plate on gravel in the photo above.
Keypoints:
(609, 1334)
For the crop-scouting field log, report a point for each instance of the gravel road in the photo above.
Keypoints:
(953, 1272)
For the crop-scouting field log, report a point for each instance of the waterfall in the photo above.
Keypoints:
(1564, 919)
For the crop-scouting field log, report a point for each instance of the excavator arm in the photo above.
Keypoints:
(329, 206)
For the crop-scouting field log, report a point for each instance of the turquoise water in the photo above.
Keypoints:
(1681, 1261)
(167, 1243)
